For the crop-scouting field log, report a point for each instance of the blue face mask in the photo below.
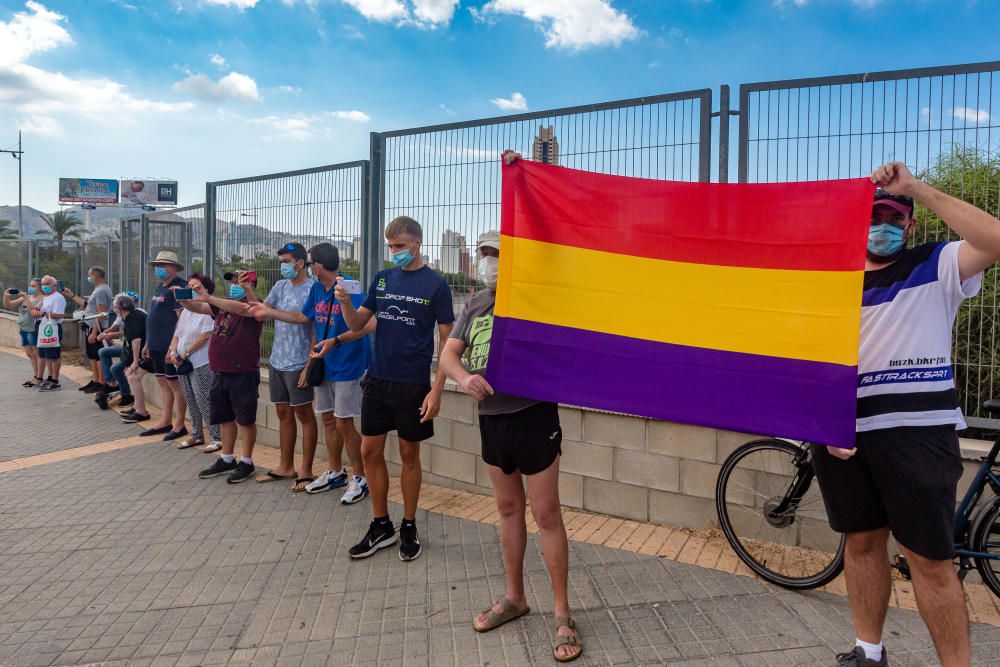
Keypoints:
(402, 258)
(46, 289)
(90, 281)
(160, 273)
(237, 292)
(288, 271)
(32, 291)
(309, 272)
(885, 240)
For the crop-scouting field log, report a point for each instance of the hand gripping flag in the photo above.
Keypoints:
(730, 306)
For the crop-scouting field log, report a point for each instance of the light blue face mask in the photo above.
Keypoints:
(46, 289)
(402, 258)
(160, 273)
(90, 280)
(32, 291)
(309, 272)
(288, 271)
(237, 292)
(885, 240)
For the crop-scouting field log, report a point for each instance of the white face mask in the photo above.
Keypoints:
(489, 271)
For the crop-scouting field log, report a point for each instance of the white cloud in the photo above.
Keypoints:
(434, 11)
(975, 116)
(289, 90)
(448, 111)
(571, 24)
(517, 102)
(353, 116)
(41, 125)
(299, 127)
(352, 32)
(217, 60)
(864, 4)
(238, 4)
(232, 87)
(379, 10)
(33, 31)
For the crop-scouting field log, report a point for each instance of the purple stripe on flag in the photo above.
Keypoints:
(805, 400)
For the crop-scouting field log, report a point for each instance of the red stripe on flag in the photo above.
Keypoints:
(818, 226)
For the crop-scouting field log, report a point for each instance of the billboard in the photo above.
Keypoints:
(88, 191)
(138, 192)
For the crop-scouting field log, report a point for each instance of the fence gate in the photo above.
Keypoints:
(447, 177)
(939, 121)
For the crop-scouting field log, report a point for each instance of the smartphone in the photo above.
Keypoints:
(184, 294)
(60, 287)
(13, 291)
(351, 286)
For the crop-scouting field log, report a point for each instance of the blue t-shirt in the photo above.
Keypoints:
(407, 305)
(349, 360)
(162, 318)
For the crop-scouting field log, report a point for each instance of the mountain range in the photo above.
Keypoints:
(103, 222)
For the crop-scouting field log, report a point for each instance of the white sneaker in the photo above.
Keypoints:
(357, 490)
(329, 480)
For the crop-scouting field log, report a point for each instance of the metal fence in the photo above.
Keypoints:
(16, 264)
(255, 216)
(939, 121)
(447, 177)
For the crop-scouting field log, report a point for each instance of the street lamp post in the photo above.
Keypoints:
(17, 156)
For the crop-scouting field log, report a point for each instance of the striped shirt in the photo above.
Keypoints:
(905, 375)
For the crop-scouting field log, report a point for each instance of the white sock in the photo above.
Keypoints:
(228, 458)
(872, 651)
(244, 459)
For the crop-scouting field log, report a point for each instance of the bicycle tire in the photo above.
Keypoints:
(980, 543)
(824, 576)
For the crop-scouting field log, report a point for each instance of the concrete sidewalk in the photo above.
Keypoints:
(117, 554)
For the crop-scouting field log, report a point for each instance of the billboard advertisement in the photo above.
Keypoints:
(88, 191)
(138, 192)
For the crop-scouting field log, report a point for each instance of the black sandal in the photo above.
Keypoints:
(303, 481)
(31, 384)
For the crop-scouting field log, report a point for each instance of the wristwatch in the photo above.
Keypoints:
(336, 341)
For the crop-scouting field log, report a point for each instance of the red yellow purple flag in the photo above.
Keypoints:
(722, 305)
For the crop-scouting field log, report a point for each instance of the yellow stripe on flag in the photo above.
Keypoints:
(811, 315)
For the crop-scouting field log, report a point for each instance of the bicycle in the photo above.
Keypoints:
(773, 516)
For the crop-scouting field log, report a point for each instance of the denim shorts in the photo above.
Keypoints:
(29, 338)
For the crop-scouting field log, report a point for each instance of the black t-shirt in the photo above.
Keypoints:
(163, 313)
(135, 328)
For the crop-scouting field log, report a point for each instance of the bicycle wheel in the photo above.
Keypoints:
(987, 540)
(771, 511)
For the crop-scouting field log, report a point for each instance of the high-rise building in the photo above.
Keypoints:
(545, 147)
(356, 247)
(452, 245)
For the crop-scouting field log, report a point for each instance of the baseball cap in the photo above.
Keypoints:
(489, 239)
(901, 203)
(296, 250)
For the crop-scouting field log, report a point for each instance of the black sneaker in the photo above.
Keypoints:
(90, 385)
(378, 537)
(856, 658)
(241, 473)
(220, 467)
(102, 400)
(409, 542)
(135, 418)
(50, 385)
(125, 402)
(94, 388)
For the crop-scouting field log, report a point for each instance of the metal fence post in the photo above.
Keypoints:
(110, 270)
(743, 156)
(705, 139)
(143, 258)
(371, 234)
(724, 133)
(210, 222)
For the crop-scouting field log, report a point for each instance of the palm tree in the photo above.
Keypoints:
(5, 230)
(63, 225)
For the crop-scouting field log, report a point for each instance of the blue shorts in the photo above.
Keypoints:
(29, 338)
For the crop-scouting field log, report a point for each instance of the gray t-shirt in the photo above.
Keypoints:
(475, 328)
(101, 296)
(290, 351)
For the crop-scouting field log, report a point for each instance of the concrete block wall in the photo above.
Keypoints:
(627, 467)
(10, 335)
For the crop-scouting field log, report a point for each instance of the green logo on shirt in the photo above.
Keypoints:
(479, 342)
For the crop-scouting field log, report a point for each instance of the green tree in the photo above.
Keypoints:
(63, 225)
(6, 232)
(973, 176)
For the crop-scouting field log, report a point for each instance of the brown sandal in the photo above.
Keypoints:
(508, 613)
(566, 640)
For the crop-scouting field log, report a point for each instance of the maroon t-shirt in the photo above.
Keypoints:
(235, 343)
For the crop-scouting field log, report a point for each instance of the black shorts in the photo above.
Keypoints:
(158, 360)
(527, 441)
(93, 350)
(394, 406)
(233, 398)
(904, 478)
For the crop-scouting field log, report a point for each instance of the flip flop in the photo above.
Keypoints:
(300, 484)
(508, 613)
(271, 476)
(190, 442)
(566, 640)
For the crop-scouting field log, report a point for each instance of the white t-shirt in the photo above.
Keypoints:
(189, 327)
(905, 375)
(54, 303)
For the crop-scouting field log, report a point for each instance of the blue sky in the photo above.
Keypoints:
(212, 89)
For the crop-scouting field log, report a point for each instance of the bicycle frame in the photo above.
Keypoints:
(800, 483)
(984, 476)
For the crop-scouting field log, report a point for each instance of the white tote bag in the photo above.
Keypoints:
(48, 333)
